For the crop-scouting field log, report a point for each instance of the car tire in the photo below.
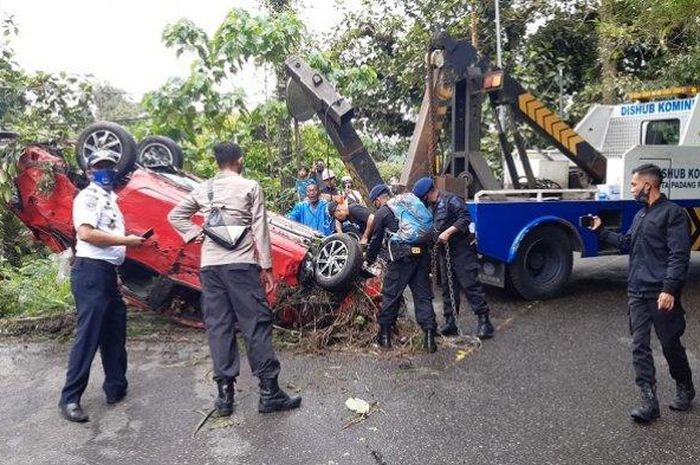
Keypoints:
(543, 264)
(154, 151)
(110, 136)
(337, 263)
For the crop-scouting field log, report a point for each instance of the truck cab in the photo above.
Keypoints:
(527, 238)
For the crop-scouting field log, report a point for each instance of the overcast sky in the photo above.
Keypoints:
(119, 41)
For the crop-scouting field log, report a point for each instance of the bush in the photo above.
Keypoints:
(34, 289)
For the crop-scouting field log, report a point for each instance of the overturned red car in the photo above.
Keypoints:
(164, 272)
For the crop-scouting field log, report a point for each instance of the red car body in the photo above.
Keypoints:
(45, 199)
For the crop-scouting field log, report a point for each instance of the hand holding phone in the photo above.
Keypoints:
(148, 233)
(591, 222)
(585, 221)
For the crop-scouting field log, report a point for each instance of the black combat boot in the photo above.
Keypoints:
(429, 343)
(450, 327)
(274, 399)
(649, 410)
(224, 403)
(685, 393)
(384, 336)
(484, 329)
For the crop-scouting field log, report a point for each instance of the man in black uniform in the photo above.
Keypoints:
(451, 221)
(410, 266)
(355, 213)
(659, 246)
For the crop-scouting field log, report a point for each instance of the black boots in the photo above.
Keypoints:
(450, 327)
(384, 336)
(274, 399)
(429, 343)
(484, 329)
(73, 412)
(224, 403)
(649, 410)
(685, 393)
(116, 398)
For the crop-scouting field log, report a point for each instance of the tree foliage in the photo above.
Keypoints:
(41, 108)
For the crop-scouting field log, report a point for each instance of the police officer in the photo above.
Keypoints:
(235, 282)
(100, 248)
(659, 246)
(410, 266)
(451, 221)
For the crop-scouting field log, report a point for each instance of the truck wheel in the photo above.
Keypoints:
(338, 263)
(108, 136)
(154, 151)
(543, 264)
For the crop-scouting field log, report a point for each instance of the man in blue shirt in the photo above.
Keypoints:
(312, 212)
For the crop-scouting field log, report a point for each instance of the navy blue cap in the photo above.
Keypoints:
(423, 186)
(378, 190)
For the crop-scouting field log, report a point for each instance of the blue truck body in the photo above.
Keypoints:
(502, 226)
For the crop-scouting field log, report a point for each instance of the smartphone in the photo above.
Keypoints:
(585, 221)
(147, 234)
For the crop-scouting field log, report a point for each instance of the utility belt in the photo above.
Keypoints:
(399, 251)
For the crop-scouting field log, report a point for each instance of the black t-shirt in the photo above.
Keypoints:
(359, 215)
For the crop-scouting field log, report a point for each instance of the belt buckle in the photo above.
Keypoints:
(415, 250)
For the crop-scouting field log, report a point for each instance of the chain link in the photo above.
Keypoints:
(450, 275)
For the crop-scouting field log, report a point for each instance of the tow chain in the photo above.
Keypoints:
(450, 275)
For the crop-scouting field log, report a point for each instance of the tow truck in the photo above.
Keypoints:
(527, 234)
(528, 226)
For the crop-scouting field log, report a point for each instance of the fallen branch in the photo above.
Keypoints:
(203, 422)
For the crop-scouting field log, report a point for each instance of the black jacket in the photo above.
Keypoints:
(450, 210)
(659, 246)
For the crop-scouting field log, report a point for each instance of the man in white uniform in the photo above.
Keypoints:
(100, 248)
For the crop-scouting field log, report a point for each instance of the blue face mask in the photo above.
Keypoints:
(104, 177)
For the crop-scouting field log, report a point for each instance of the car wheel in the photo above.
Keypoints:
(155, 151)
(543, 264)
(107, 136)
(337, 263)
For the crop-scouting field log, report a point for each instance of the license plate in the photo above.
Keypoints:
(415, 250)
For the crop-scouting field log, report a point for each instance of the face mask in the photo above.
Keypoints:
(104, 178)
(643, 195)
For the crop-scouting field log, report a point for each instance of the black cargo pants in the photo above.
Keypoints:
(669, 326)
(465, 278)
(413, 272)
(233, 293)
(101, 324)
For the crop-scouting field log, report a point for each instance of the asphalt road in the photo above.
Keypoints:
(553, 387)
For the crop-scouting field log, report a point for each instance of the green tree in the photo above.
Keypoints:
(113, 104)
(43, 108)
(198, 110)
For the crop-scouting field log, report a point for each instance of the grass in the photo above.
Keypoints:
(37, 288)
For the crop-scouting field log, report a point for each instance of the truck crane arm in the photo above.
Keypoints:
(309, 93)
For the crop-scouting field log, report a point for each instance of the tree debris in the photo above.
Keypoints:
(359, 406)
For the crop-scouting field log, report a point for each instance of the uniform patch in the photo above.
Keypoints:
(91, 202)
